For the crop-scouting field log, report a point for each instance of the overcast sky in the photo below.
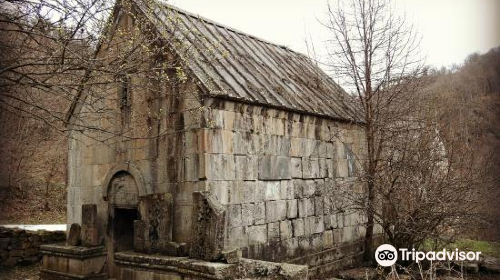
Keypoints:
(450, 29)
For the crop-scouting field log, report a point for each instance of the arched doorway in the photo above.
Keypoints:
(123, 199)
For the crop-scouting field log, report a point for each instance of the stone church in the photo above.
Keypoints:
(246, 176)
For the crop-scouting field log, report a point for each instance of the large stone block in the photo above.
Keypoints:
(271, 190)
(318, 205)
(241, 141)
(247, 214)
(157, 213)
(218, 167)
(228, 120)
(257, 234)
(237, 237)
(323, 168)
(243, 192)
(328, 239)
(292, 210)
(306, 207)
(310, 168)
(286, 189)
(297, 147)
(73, 236)
(273, 232)
(260, 213)
(234, 215)
(275, 211)
(191, 168)
(208, 227)
(298, 227)
(72, 262)
(309, 188)
(219, 141)
(274, 168)
(286, 230)
(220, 189)
(296, 167)
(246, 167)
(90, 234)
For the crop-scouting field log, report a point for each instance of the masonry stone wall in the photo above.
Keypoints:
(19, 246)
(151, 144)
(157, 157)
(284, 178)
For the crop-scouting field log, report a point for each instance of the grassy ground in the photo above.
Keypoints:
(486, 248)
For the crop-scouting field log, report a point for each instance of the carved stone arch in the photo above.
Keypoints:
(124, 168)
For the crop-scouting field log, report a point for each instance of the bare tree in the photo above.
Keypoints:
(106, 53)
(375, 53)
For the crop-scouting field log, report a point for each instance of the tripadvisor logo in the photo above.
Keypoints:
(387, 255)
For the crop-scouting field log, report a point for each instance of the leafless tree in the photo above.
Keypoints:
(105, 52)
(421, 182)
(375, 53)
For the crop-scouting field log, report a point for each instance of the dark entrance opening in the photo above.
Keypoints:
(123, 228)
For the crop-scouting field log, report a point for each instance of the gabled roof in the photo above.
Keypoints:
(234, 65)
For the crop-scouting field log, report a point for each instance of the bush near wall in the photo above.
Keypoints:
(19, 246)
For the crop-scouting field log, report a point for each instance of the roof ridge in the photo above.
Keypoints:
(229, 28)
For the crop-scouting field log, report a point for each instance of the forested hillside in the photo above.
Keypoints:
(468, 106)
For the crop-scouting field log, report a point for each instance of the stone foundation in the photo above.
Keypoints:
(62, 262)
(135, 266)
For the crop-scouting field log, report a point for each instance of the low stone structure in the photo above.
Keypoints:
(135, 266)
(73, 262)
(19, 246)
(250, 149)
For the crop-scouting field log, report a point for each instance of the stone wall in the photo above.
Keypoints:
(23, 247)
(152, 143)
(284, 178)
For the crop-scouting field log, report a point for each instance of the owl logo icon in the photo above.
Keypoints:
(386, 255)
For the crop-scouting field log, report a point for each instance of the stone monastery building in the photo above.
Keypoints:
(236, 165)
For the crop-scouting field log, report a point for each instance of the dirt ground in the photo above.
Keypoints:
(28, 272)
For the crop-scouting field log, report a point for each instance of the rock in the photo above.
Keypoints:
(208, 220)
(363, 273)
(74, 235)
(232, 255)
(90, 235)
(491, 264)
(293, 272)
(177, 249)
(157, 213)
